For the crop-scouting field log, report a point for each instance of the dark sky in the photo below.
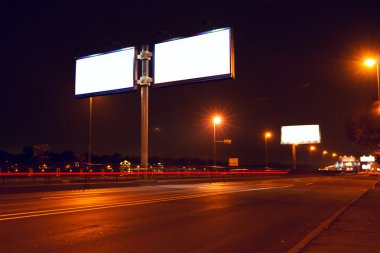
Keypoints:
(297, 62)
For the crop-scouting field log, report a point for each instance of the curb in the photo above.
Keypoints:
(305, 241)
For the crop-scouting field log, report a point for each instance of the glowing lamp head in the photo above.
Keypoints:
(370, 62)
(312, 148)
(325, 152)
(268, 135)
(217, 120)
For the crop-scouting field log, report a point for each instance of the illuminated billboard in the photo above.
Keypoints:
(206, 56)
(368, 159)
(110, 72)
(303, 134)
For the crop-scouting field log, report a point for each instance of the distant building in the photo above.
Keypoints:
(41, 154)
(125, 166)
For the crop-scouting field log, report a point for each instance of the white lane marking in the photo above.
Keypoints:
(53, 197)
(4, 217)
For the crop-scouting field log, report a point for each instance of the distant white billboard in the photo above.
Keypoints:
(303, 134)
(369, 158)
(205, 56)
(110, 72)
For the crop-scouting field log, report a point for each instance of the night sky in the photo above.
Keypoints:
(297, 62)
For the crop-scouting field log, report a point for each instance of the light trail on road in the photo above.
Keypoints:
(14, 216)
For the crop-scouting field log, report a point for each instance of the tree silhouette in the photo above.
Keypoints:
(365, 130)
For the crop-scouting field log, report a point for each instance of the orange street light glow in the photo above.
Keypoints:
(312, 148)
(334, 154)
(268, 135)
(325, 152)
(370, 62)
(217, 120)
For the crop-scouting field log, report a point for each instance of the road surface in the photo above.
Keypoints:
(270, 215)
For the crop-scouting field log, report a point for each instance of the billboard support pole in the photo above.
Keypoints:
(294, 160)
(214, 146)
(144, 82)
(90, 137)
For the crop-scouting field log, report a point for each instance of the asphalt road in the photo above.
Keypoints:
(256, 216)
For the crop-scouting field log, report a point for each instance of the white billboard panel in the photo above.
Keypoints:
(205, 56)
(100, 74)
(303, 134)
(369, 158)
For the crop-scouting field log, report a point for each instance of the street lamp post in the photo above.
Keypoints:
(378, 81)
(370, 63)
(216, 121)
(324, 153)
(312, 149)
(267, 135)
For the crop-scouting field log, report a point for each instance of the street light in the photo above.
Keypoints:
(370, 62)
(267, 135)
(311, 149)
(324, 153)
(216, 120)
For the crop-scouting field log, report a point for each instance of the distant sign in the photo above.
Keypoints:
(347, 159)
(233, 162)
(205, 56)
(302, 134)
(227, 141)
(106, 73)
(366, 166)
(368, 159)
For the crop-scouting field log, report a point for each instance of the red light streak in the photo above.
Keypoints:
(7, 174)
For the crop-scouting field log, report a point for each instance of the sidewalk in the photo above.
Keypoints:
(356, 230)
